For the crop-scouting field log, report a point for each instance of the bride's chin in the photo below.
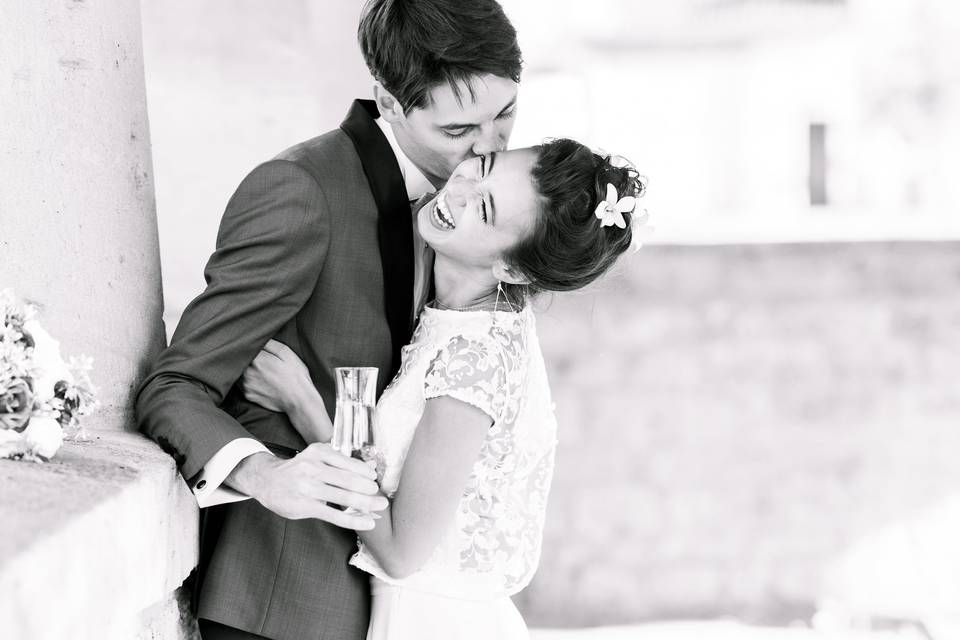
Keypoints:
(445, 254)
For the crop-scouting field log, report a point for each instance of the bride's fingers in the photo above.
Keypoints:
(251, 378)
(276, 348)
(259, 361)
(271, 346)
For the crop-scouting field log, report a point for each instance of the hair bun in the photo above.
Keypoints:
(582, 226)
(620, 172)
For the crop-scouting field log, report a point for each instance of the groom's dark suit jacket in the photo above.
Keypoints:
(315, 250)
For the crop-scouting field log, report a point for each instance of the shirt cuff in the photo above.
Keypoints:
(207, 485)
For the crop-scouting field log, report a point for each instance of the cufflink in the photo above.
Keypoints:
(201, 485)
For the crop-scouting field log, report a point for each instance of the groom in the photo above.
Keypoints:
(317, 249)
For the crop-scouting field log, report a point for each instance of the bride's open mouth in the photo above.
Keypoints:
(441, 213)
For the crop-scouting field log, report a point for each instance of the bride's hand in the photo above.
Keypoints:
(273, 376)
(278, 380)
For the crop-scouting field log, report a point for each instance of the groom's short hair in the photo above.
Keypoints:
(411, 46)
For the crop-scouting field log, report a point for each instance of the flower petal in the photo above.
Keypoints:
(611, 195)
(626, 204)
(44, 436)
(601, 209)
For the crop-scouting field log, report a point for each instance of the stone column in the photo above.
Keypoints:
(97, 542)
(78, 230)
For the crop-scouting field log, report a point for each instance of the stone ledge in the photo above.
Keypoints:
(91, 539)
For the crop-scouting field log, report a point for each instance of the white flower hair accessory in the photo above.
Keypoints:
(610, 210)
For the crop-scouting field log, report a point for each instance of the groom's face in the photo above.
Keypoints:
(454, 128)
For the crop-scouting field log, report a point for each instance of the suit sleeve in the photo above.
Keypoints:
(270, 250)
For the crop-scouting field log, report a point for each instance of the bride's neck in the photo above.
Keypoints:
(458, 286)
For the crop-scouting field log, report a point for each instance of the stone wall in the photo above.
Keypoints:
(78, 231)
(97, 542)
(753, 430)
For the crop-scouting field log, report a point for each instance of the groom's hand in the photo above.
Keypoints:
(302, 486)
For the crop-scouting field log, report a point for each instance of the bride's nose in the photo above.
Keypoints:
(460, 191)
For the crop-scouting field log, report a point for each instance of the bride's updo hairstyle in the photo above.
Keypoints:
(568, 248)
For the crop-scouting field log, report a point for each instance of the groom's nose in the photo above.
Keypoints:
(492, 138)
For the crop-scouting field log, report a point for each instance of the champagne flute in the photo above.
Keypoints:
(353, 420)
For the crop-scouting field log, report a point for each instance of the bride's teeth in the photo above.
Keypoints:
(442, 214)
(439, 218)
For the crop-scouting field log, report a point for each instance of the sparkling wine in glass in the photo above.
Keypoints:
(353, 420)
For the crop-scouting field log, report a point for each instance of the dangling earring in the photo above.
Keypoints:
(506, 298)
(496, 303)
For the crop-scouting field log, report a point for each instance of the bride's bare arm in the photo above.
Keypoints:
(278, 380)
(445, 447)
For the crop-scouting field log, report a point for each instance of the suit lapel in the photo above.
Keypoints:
(395, 222)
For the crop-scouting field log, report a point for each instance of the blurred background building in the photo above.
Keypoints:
(756, 120)
(759, 119)
(758, 411)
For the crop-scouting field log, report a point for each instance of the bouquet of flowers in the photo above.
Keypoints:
(42, 398)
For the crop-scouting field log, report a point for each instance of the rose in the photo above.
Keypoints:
(43, 436)
(16, 405)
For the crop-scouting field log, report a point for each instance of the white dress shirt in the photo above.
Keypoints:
(417, 186)
(208, 485)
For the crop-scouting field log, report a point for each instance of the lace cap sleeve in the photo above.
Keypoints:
(473, 370)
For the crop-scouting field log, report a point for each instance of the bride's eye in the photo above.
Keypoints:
(483, 211)
(483, 166)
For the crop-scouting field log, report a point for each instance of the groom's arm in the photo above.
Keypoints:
(270, 249)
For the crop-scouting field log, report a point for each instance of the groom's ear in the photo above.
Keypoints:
(505, 273)
(389, 107)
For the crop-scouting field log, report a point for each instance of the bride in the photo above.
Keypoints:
(466, 427)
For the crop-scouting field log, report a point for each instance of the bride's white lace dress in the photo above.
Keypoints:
(490, 551)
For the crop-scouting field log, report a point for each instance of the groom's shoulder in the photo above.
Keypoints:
(325, 156)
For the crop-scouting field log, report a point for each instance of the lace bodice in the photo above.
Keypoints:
(491, 361)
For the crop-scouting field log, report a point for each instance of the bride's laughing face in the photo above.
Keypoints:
(489, 205)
